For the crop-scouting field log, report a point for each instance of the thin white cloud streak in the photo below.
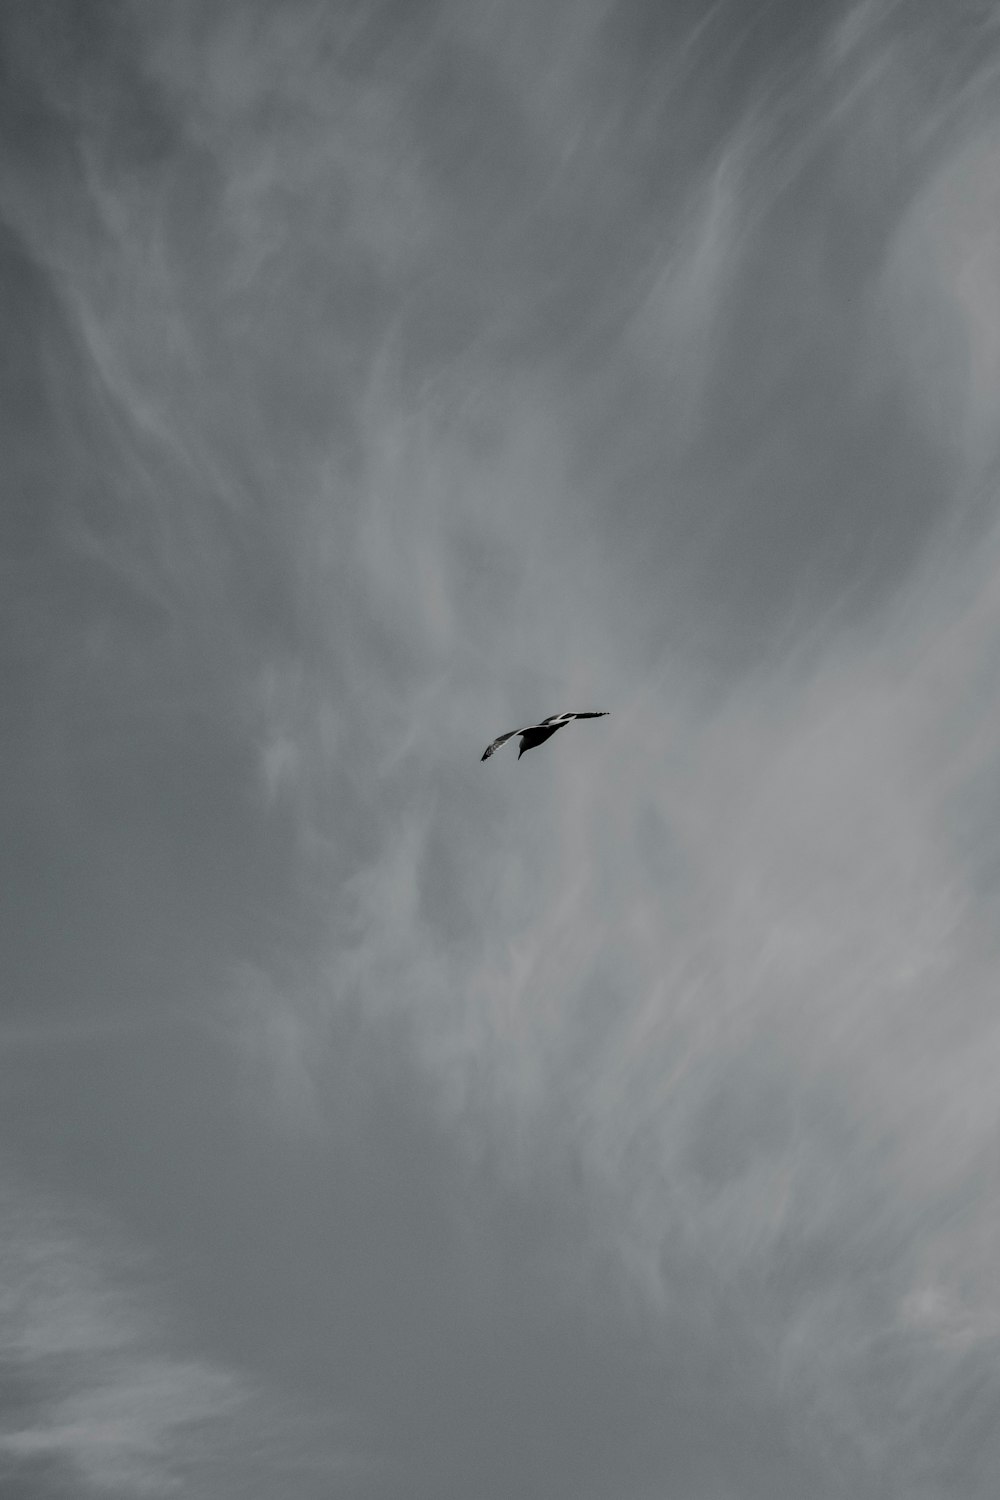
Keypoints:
(105, 1392)
(129, 1429)
(946, 262)
(117, 1412)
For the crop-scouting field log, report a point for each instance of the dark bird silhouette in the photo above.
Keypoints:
(537, 734)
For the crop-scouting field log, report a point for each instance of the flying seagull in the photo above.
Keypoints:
(537, 734)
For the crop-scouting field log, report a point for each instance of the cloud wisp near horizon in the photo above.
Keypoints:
(621, 1121)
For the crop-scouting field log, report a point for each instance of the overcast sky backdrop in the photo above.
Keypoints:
(619, 1124)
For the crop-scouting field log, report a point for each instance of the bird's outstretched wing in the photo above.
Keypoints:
(556, 719)
(503, 740)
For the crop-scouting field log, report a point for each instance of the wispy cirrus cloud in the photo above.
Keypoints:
(620, 1119)
(101, 1396)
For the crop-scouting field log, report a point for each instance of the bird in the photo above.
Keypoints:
(537, 734)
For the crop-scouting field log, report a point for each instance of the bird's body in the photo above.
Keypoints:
(537, 734)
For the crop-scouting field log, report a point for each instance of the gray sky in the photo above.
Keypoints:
(615, 1124)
